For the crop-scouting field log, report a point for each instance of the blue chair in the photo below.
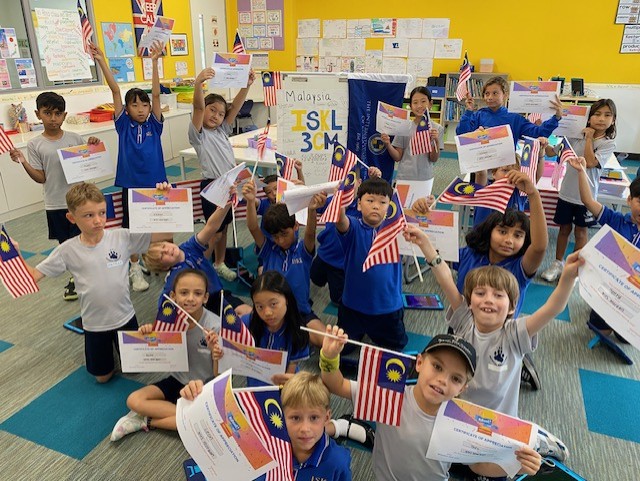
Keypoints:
(244, 114)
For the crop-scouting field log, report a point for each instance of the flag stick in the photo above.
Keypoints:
(585, 173)
(363, 164)
(221, 301)
(255, 167)
(358, 343)
(186, 313)
(413, 251)
(235, 230)
(257, 389)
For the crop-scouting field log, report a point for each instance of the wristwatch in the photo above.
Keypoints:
(435, 261)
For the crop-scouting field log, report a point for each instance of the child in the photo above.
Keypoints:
(596, 147)
(305, 405)
(154, 406)
(44, 167)
(139, 124)
(626, 225)
(445, 368)
(416, 167)
(209, 131)
(97, 260)
(284, 252)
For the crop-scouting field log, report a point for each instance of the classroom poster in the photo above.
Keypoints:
(147, 68)
(5, 81)
(9, 43)
(118, 40)
(631, 39)
(26, 72)
(145, 13)
(122, 69)
(262, 24)
(312, 115)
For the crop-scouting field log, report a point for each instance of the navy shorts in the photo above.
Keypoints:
(213, 304)
(323, 273)
(170, 388)
(60, 228)
(385, 330)
(309, 316)
(208, 208)
(568, 213)
(98, 348)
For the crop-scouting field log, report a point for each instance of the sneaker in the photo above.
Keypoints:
(226, 273)
(529, 375)
(138, 282)
(70, 293)
(552, 272)
(128, 424)
(370, 432)
(548, 445)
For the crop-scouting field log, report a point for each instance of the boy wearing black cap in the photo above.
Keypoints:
(445, 367)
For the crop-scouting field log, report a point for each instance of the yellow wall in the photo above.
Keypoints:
(120, 11)
(570, 38)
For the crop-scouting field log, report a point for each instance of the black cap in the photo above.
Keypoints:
(457, 343)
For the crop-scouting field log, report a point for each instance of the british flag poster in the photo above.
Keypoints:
(145, 13)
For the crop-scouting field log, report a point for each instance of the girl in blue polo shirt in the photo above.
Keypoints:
(275, 322)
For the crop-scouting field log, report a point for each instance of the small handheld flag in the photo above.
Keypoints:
(170, 318)
(529, 159)
(465, 74)
(87, 31)
(384, 249)
(565, 151)
(342, 198)
(271, 83)
(494, 196)
(421, 141)
(262, 140)
(340, 162)
(5, 142)
(13, 270)
(238, 46)
(233, 329)
(284, 166)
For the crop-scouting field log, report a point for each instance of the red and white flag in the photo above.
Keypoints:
(529, 159)
(238, 46)
(271, 83)
(565, 151)
(13, 270)
(170, 318)
(420, 142)
(262, 140)
(381, 381)
(87, 31)
(384, 248)
(5, 142)
(494, 196)
(341, 160)
(465, 74)
(343, 197)
(232, 328)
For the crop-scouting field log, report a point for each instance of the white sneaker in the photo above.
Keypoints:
(138, 282)
(226, 273)
(549, 445)
(553, 271)
(131, 423)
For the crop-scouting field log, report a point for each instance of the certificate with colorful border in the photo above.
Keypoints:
(85, 162)
(255, 362)
(574, 120)
(485, 149)
(153, 352)
(232, 70)
(392, 120)
(152, 210)
(528, 97)
(442, 228)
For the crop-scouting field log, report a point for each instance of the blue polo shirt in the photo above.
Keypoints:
(261, 210)
(516, 202)
(140, 159)
(621, 223)
(330, 248)
(193, 259)
(376, 291)
(294, 264)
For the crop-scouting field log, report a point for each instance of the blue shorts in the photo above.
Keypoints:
(170, 388)
(569, 213)
(309, 316)
(323, 273)
(385, 330)
(98, 348)
(209, 208)
(60, 228)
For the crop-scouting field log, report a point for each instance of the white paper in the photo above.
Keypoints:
(181, 69)
(609, 282)
(332, 47)
(421, 47)
(448, 48)
(334, 28)
(420, 67)
(85, 162)
(396, 47)
(153, 352)
(260, 60)
(435, 28)
(299, 196)
(147, 68)
(152, 210)
(441, 226)
(309, 28)
(359, 28)
(217, 192)
(485, 149)
(394, 65)
(307, 46)
(254, 362)
(232, 70)
(159, 32)
(392, 120)
(373, 61)
(535, 96)
(409, 28)
(307, 64)
(574, 120)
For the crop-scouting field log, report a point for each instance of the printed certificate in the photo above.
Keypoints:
(467, 433)
(574, 119)
(232, 70)
(152, 210)
(217, 192)
(528, 97)
(610, 282)
(154, 352)
(485, 149)
(160, 32)
(392, 120)
(411, 190)
(85, 162)
(255, 362)
(218, 436)
(442, 228)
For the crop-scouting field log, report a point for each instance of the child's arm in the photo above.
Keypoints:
(239, 99)
(589, 154)
(559, 297)
(544, 142)
(343, 223)
(529, 459)
(190, 391)
(442, 272)
(592, 205)
(394, 152)
(423, 205)
(213, 224)
(249, 193)
(468, 121)
(434, 155)
(330, 363)
(35, 174)
(198, 97)
(534, 255)
(98, 56)
(317, 201)
(156, 107)
(298, 166)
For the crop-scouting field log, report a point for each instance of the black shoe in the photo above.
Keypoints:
(70, 293)
(529, 375)
(370, 432)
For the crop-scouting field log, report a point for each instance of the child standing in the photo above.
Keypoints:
(154, 406)
(417, 167)
(596, 147)
(209, 131)
(44, 167)
(139, 124)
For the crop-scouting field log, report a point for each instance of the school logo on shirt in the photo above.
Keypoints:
(498, 360)
(202, 346)
(114, 259)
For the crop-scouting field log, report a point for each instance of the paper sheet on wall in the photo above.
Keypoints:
(9, 43)
(448, 48)
(359, 28)
(181, 69)
(260, 60)
(396, 47)
(307, 46)
(630, 39)
(147, 68)
(307, 63)
(334, 28)
(309, 28)
(373, 61)
(352, 64)
(5, 81)
(409, 28)
(421, 47)
(329, 64)
(435, 28)
(332, 47)
(627, 12)
(394, 65)
(419, 67)
(355, 47)
(383, 27)
(26, 72)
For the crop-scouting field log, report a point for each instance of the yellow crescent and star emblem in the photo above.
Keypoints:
(464, 188)
(395, 369)
(423, 123)
(229, 316)
(393, 209)
(351, 178)
(526, 152)
(275, 416)
(266, 77)
(167, 308)
(338, 153)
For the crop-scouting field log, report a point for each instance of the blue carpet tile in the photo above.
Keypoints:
(331, 309)
(537, 295)
(47, 252)
(417, 342)
(174, 170)
(111, 189)
(27, 254)
(5, 345)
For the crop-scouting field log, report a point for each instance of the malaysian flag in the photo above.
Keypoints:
(565, 151)
(145, 13)
(271, 83)
(264, 412)
(284, 166)
(262, 140)
(384, 248)
(465, 74)
(238, 46)
(340, 162)
(533, 117)
(87, 31)
(529, 159)
(5, 142)
(13, 270)
(170, 318)
(421, 139)
(342, 198)
(494, 196)
(381, 381)
(233, 329)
